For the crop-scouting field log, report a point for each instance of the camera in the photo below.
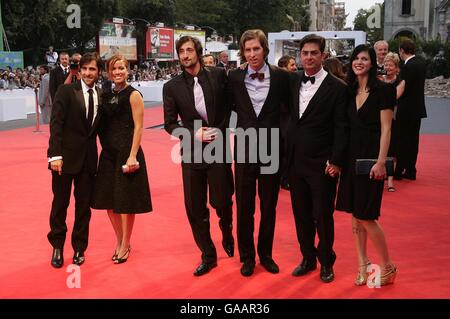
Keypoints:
(381, 72)
(74, 66)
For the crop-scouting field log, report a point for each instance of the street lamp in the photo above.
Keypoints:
(119, 19)
(296, 24)
(143, 20)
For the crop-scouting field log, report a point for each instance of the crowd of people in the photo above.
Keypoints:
(321, 125)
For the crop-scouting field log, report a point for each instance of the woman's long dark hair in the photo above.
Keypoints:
(352, 80)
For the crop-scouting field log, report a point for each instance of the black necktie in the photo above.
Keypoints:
(65, 72)
(256, 75)
(306, 78)
(90, 116)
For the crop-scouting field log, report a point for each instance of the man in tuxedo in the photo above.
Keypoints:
(381, 49)
(317, 138)
(223, 60)
(72, 157)
(258, 94)
(59, 74)
(411, 109)
(198, 97)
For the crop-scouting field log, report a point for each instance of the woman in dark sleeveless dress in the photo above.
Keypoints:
(370, 114)
(392, 68)
(121, 185)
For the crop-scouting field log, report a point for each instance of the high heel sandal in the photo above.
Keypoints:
(361, 278)
(121, 260)
(388, 275)
(114, 257)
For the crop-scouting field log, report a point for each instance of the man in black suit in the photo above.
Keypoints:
(317, 138)
(72, 154)
(258, 93)
(411, 110)
(59, 74)
(223, 60)
(198, 97)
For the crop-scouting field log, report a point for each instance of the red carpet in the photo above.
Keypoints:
(416, 220)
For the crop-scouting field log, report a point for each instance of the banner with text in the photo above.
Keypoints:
(178, 33)
(117, 38)
(159, 43)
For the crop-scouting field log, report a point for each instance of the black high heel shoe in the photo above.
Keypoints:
(114, 257)
(121, 260)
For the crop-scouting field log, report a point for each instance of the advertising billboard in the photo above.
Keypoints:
(115, 38)
(159, 43)
(14, 59)
(178, 33)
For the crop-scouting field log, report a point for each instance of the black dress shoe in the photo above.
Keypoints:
(227, 239)
(78, 258)
(270, 266)
(247, 269)
(326, 274)
(228, 246)
(284, 184)
(410, 176)
(204, 268)
(305, 267)
(57, 258)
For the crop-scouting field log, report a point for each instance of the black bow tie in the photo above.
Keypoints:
(256, 75)
(306, 78)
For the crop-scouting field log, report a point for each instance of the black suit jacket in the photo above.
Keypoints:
(271, 112)
(71, 136)
(321, 134)
(178, 99)
(411, 104)
(57, 79)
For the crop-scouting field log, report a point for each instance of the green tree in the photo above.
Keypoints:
(34, 29)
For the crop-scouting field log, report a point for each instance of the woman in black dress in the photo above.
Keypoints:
(370, 114)
(392, 68)
(121, 185)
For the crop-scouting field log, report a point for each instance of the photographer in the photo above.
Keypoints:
(74, 75)
(51, 57)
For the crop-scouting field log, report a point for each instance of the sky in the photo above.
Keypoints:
(352, 7)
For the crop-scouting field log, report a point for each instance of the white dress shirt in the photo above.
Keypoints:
(258, 90)
(85, 89)
(308, 90)
(65, 70)
(412, 56)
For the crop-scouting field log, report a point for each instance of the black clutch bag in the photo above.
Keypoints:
(363, 166)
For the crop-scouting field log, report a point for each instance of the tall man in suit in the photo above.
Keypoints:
(72, 154)
(258, 93)
(317, 138)
(59, 74)
(198, 97)
(410, 111)
(223, 60)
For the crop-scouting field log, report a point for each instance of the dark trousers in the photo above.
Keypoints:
(312, 198)
(195, 185)
(62, 188)
(246, 176)
(407, 145)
